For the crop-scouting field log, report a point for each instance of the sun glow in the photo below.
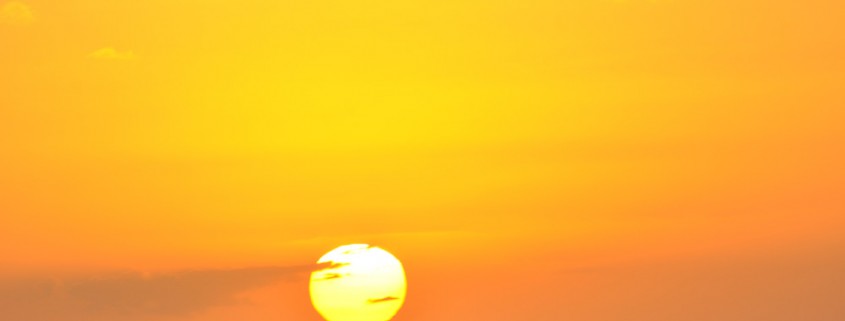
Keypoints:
(358, 282)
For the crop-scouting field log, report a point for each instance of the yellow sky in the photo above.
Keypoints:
(494, 147)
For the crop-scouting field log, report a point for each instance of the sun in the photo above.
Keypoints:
(358, 282)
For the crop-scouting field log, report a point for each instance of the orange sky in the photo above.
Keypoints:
(526, 160)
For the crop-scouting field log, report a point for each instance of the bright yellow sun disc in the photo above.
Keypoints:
(359, 282)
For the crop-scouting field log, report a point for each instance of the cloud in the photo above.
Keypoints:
(330, 276)
(384, 299)
(323, 272)
(16, 13)
(331, 265)
(110, 53)
(133, 296)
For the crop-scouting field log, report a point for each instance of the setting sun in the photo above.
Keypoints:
(358, 283)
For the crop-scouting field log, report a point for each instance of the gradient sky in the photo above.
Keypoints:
(589, 160)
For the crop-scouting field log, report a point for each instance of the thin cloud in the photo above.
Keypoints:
(331, 276)
(16, 13)
(110, 53)
(132, 296)
(331, 265)
(384, 299)
(323, 271)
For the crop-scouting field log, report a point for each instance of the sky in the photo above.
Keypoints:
(589, 160)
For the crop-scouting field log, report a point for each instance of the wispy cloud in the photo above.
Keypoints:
(384, 299)
(16, 13)
(331, 265)
(329, 276)
(131, 296)
(325, 271)
(110, 53)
